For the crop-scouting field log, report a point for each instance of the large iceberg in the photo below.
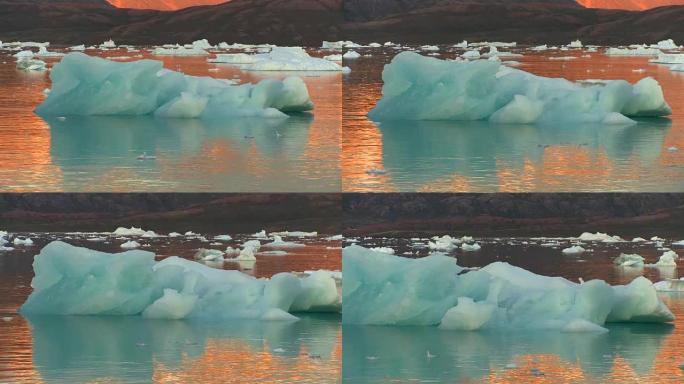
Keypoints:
(85, 85)
(388, 290)
(425, 88)
(71, 280)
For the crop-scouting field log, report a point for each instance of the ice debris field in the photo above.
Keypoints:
(73, 280)
(382, 289)
(418, 87)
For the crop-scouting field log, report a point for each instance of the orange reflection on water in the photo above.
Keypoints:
(234, 361)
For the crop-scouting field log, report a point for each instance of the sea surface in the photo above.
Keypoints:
(100, 153)
(628, 353)
(130, 349)
(453, 156)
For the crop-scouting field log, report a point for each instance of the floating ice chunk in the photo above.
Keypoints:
(273, 253)
(334, 238)
(223, 238)
(669, 58)
(639, 51)
(201, 44)
(134, 231)
(174, 234)
(208, 254)
(471, 55)
(599, 236)
(574, 250)
(629, 260)
(179, 51)
(43, 52)
(335, 57)
(108, 44)
(672, 149)
(391, 290)
(233, 58)
(31, 65)
(78, 48)
(23, 55)
(295, 234)
(668, 259)
(26, 242)
(260, 235)
(467, 315)
(386, 250)
(78, 281)
(666, 44)
(540, 48)
(429, 48)
(131, 244)
(638, 240)
(677, 68)
(463, 45)
(291, 59)
(424, 88)
(350, 55)
(278, 242)
(444, 243)
(679, 243)
(470, 247)
(575, 44)
(84, 85)
(670, 285)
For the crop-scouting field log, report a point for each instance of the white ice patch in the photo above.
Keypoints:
(85, 85)
(78, 281)
(391, 290)
(425, 88)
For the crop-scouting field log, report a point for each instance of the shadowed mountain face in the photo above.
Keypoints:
(513, 214)
(308, 22)
(242, 213)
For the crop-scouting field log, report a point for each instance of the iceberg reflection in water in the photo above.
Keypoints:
(477, 156)
(78, 349)
(240, 154)
(374, 354)
(467, 156)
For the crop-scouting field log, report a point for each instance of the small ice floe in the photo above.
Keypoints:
(668, 259)
(223, 238)
(471, 55)
(656, 238)
(43, 52)
(335, 57)
(445, 243)
(672, 149)
(629, 260)
(376, 171)
(144, 156)
(134, 231)
(429, 355)
(371, 357)
(574, 250)
(466, 247)
(31, 65)
(278, 242)
(131, 244)
(639, 51)
(278, 350)
(599, 236)
(386, 250)
(78, 48)
(511, 366)
(260, 235)
(96, 239)
(670, 285)
(334, 238)
(638, 240)
(174, 234)
(26, 242)
(575, 44)
(208, 254)
(273, 253)
(351, 55)
(295, 234)
(679, 243)
(7, 319)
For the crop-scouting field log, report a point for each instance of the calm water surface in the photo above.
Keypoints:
(100, 153)
(479, 157)
(130, 349)
(628, 353)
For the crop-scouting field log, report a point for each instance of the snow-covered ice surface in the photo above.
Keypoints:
(87, 85)
(434, 291)
(78, 281)
(422, 88)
